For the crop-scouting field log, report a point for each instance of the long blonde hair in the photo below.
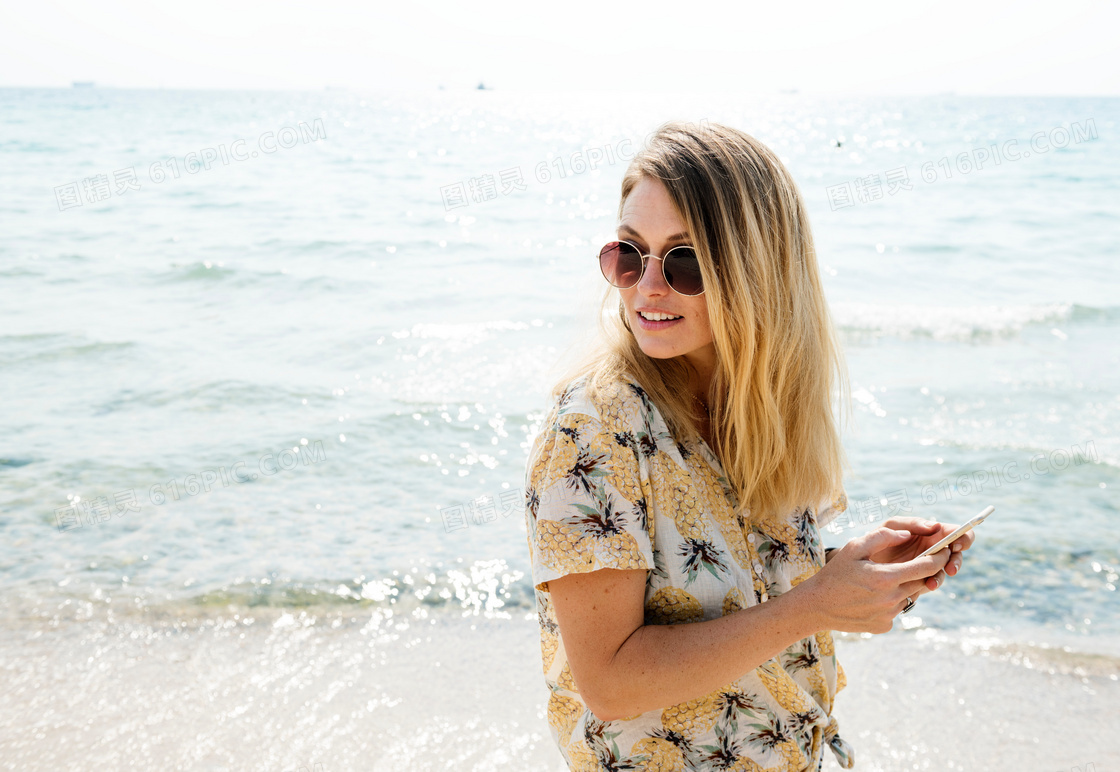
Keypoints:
(776, 349)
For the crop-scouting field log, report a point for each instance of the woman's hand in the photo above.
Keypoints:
(858, 593)
(923, 535)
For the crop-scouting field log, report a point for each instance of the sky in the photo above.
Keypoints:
(872, 47)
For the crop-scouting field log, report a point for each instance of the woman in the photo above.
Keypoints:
(678, 485)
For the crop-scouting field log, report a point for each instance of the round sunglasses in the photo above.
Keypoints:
(623, 265)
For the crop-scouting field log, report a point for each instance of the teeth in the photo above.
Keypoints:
(657, 317)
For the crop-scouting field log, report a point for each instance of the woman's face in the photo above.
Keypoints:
(650, 222)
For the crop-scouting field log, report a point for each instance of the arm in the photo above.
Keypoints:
(623, 667)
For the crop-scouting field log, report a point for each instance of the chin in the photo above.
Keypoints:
(657, 351)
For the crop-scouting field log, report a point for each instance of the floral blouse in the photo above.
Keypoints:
(607, 486)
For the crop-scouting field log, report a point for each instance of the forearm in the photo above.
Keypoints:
(662, 665)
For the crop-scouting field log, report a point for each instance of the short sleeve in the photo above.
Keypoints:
(831, 507)
(585, 505)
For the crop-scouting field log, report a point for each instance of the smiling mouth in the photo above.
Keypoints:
(658, 317)
(649, 325)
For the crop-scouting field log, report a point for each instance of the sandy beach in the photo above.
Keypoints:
(279, 690)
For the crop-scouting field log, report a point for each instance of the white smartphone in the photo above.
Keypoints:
(959, 532)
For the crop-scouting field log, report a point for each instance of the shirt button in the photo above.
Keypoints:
(758, 567)
(750, 538)
(765, 597)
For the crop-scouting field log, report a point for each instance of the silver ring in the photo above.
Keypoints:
(909, 605)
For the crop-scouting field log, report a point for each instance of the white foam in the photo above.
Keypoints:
(944, 322)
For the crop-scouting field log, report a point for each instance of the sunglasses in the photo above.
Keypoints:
(623, 265)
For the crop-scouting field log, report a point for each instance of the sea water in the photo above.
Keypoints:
(272, 363)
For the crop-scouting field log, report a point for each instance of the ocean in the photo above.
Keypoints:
(272, 362)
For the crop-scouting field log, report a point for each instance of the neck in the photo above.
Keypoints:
(698, 387)
(703, 365)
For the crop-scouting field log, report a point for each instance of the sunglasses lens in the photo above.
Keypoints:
(682, 271)
(621, 264)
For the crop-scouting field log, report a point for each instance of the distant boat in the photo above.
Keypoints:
(82, 84)
(484, 88)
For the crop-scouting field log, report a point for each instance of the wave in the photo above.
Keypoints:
(202, 270)
(489, 588)
(49, 347)
(203, 396)
(467, 333)
(961, 322)
(19, 270)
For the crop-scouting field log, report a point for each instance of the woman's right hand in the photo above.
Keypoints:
(855, 594)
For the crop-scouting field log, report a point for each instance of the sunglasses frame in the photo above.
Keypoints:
(645, 263)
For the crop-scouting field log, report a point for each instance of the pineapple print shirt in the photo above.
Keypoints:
(607, 486)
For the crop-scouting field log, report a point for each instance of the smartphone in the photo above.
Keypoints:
(959, 532)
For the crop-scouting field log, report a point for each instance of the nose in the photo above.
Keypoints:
(653, 279)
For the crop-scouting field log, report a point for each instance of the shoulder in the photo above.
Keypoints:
(619, 406)
(831, 507)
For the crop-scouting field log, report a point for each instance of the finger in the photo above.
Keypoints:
(954, 564)
(964, 542)
(915, 588)
(919, 568)
(933, 582)
(902, 604)
(876, 540)
(915, 525)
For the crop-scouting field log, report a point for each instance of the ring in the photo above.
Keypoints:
(909, 605)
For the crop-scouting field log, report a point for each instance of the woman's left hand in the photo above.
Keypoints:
(925, 534)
